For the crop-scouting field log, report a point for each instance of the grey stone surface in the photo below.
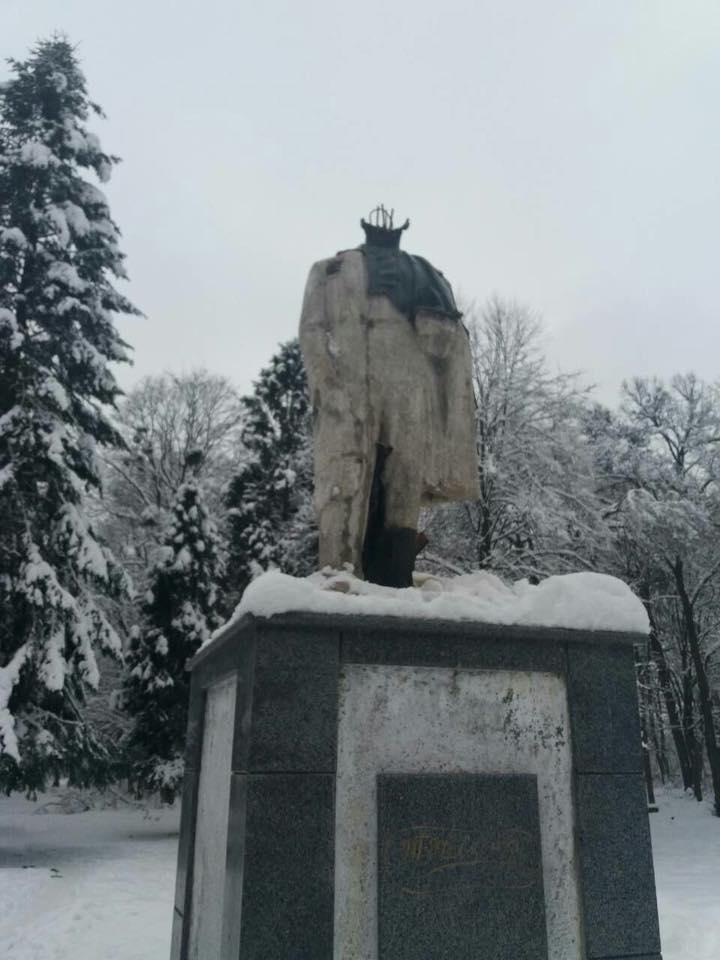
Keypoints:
(520, 654)
(360, 628)
(459, 868)
(226, 637)
(234, 655)
(243, 702)
(183, 876)
(391, 646)
(224, 654)
(602, 697)
(235, 868)
(294, 701)
(408, 720)
(616, 868)
(449, 645)
(211, 827)
(287, 908)
(194, 730)
(375, 623)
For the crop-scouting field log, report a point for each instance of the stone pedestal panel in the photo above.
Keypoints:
(295, 720)
(616, 862)
(459, 867)
(401, 720)
(288, 877)
(211, 828)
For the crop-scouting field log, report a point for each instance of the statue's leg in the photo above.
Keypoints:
(334, 340)
(344, 455)
(396, 387)
(397, 545)
(341, 500)
(391, 540)
(344, 452)
(402, 490)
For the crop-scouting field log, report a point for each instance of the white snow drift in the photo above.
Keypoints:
(586, 601)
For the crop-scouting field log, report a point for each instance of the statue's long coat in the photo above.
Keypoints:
(376, 377)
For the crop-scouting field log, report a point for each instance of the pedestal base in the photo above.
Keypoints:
(393, 789)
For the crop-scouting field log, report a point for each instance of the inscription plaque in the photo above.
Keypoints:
(459, 868)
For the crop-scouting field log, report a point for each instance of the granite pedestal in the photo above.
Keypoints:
(368, 788)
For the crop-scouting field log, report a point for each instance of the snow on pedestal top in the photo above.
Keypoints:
(580, 601)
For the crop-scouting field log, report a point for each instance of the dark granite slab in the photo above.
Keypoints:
(459, 868)
(602, 697)
(243, 705)
(383, 646)
(360, 625)
(294, 701)
(224, 655)
(287, 907)
(456, 647)
(183, 875)
(616, 868)
(235, 868)
(491, 653)
(194, 730)
(234, 656)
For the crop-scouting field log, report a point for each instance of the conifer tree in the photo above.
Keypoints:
(179, 614)
(270, 514)
(59, 255)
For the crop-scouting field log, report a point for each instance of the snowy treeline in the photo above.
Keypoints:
(59, 258)
(129, 527)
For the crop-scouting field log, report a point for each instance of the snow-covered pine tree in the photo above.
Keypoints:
(270, 514)
(163, 418)
(58, 256)
(179, 613)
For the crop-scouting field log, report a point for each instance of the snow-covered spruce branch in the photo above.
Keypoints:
(9, 676)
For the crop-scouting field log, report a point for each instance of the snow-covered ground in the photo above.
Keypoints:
(686, 849)
(99, 885)
(86, 886)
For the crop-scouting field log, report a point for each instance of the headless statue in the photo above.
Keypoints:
(389, 368)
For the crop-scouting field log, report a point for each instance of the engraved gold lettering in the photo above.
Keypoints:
(425, 858)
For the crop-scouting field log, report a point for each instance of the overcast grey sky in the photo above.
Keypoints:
(564, 153)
